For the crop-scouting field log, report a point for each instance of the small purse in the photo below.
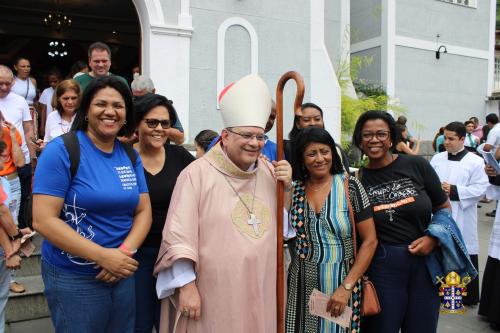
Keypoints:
(370, 304)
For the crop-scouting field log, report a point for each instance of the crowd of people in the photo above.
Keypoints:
(139, 233)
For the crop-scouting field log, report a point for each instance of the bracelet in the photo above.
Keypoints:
(288, 188)
(125, 249)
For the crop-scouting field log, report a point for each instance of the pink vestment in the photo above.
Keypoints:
(235, 262)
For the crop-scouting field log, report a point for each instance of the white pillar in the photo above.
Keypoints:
(166, 53)
(491, 49)
(388, 46)
(324, 86)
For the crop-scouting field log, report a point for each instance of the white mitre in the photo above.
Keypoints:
(247, 102)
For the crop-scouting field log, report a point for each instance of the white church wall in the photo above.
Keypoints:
(180, 53)
(282, 31)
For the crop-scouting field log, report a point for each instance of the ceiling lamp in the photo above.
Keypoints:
(57, 21)
(57, 49)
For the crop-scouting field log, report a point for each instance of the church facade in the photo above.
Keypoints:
(193, 48)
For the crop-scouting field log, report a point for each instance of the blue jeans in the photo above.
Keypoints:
(148, 306)
(15, 201)
(81, 303)
(408, 298)
(4, 290)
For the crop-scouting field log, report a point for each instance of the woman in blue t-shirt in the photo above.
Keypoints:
(92, 220)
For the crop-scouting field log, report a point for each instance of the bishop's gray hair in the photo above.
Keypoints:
(142, 82)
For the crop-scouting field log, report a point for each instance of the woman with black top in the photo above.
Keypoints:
(403, 191)
(402, 143)
(162, 164)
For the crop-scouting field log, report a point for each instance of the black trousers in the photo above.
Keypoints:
(472, 297)
(25, 175)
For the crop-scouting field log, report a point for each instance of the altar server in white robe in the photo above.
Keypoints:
(463, 178)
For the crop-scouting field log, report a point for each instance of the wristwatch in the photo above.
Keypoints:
(19, 235)
(348, 286)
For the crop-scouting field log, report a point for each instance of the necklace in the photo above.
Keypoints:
(320, 187)
(65, 127)
(252, 218)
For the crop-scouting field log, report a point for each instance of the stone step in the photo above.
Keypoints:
(30, 304)
(43, 325)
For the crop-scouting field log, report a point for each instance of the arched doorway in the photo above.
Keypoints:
(24, 33)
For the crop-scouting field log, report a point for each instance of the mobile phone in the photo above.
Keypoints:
(28, 236)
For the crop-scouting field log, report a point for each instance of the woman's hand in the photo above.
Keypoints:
(338, 301)
(116, 263)
(490, 171)
(283, 172)
(106, 276)
(15, 246)
(39, 144)
(14, 262)
(423, 246)
(190, 301)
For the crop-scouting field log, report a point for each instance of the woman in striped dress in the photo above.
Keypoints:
(322, 199)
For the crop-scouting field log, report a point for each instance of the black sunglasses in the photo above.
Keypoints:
(153, 123)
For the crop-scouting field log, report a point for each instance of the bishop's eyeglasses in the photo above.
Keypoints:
(249, 136)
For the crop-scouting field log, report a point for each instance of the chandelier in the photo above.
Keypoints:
(57, 49)
(57, 21)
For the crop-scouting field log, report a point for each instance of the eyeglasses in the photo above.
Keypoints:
(249, 136)
(153, 123)
(380, 135)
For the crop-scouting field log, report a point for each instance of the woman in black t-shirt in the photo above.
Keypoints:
(162, 164)
(404, 191)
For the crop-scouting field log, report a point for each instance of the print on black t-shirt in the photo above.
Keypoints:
(402, 195)
(392, 194)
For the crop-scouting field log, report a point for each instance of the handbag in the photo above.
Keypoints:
(370, 304)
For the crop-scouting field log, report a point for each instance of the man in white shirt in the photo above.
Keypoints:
(53, 78)
(493, 140)
(15, 110)
(471, 141)
(464, 180)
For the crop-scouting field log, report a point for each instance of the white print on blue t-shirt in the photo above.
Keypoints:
(75, 217)
(127, 177)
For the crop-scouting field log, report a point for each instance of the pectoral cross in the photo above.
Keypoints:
(390, 211)
(254, 222)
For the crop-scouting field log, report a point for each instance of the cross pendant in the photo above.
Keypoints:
(390, 211)
(254, 222)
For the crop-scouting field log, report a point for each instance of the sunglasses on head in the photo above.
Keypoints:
(153, 123)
